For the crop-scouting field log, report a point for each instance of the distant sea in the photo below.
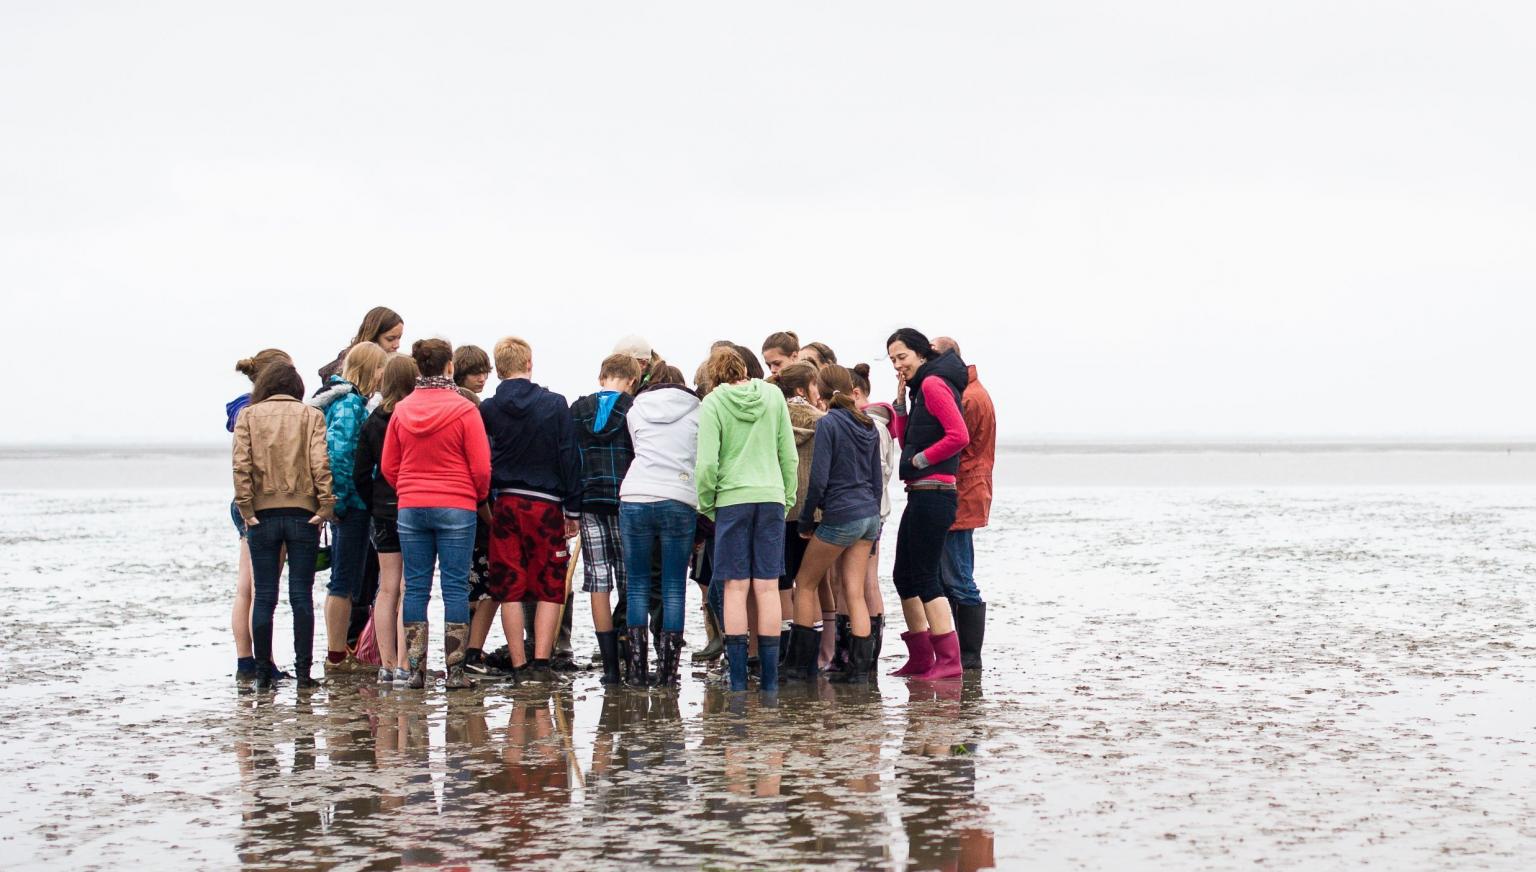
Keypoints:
(1055, 464)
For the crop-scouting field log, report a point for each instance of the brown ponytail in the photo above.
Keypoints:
(836, 387)
(251, 367)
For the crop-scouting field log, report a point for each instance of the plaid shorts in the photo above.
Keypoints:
(602, 557)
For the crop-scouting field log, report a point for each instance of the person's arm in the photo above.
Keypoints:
(245, 486)
(899, 413)
(389, 457)
(823, 449)
(570, 462)
(477, 450)
(789, 458)
(706, 466)
(341, 441)
(941, 404)
(320, 468)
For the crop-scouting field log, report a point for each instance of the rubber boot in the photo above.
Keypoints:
(736, 660)
(783, 648)
(768, 654)
(416, 654)
(668, 650)
(971, 625)
(455, 645)
(919, 653)
(946, 659)
(608, 647)
(840, 646)
(716, 644)
(266, 674)
(877, 630)
(861, 657)
(639, 666)
(800, 665)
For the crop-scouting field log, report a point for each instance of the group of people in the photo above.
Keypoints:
(768, 488)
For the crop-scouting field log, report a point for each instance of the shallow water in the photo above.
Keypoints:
(1177, 678)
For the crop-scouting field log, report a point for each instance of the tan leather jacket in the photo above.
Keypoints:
(280, 460)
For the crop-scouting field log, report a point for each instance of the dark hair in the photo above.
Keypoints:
(251, 367)
(277, 378)
(823, 351)
(754, 369)
(667, 374)
(860, 376)
(378, 321)
(785, 341)
(725, 366)
(432, 356)
(914, 340)
(836, 387)
(468, 360)
(796, 378)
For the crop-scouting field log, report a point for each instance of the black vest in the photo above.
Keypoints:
(923, 429)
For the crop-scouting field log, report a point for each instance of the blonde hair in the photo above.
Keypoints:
(513, 355)
(398, 380)
(361, 367)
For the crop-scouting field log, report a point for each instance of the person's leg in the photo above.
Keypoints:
(602, 562)
(765, 591)
(638, 528)
(483, 614)
(240, 614)
(263, 544)
(851, 570)
(509, 572)
(302, 540)
(767, 565)
(957, 572)
(363, 596)
(937, 510)
(818, 558)
(548, 566)
(828, 615)
(418, 554)
(905, 575)
(349, 541)
(386, 606)
(676, 546)
(456, 549)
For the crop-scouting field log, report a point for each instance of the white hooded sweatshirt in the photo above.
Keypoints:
(664, 428)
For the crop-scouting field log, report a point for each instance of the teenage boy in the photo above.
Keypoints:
(536, 501)
(606, 451)
(471, 368)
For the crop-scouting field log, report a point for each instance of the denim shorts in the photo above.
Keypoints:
(749, 541)
(234, 515)
(843, 535)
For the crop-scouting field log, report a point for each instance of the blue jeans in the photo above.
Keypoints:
(441, 537)
(640, 524)
(957, 570)
(280, 528)
(349, 553)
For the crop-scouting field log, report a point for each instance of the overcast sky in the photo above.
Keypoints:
(1194, 219)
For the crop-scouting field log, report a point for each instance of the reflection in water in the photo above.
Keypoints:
(591, 777)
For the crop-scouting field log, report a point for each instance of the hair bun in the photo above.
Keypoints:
(246, 367)
(862, 369)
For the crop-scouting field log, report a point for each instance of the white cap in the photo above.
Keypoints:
(634, 346)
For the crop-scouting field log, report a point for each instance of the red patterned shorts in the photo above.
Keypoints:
(528, 551)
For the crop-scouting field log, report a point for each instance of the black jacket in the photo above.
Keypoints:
(533, 444)
(922, 428)
(605, 454)
(377, 493)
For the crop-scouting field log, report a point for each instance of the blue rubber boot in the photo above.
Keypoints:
(736, 660)
(768, 656)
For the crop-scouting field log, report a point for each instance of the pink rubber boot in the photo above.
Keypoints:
(946, 658)
(919, 652)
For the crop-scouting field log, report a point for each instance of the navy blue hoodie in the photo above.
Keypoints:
(846, 479)
(533, 444)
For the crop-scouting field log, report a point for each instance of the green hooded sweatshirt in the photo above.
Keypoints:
(746, 448)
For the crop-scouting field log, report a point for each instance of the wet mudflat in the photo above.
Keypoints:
(1176, 679)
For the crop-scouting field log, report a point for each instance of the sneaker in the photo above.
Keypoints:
(402, 676)
(349, 665)
(386, 675)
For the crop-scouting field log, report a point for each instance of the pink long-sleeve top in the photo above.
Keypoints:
(941, 404)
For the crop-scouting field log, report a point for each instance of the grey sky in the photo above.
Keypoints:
(1199, 220)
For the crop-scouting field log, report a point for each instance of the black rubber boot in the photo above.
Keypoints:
(861, 659)
(669, 648)
(804, 646)
(877, 630)
(840, 645)
(971, 627)
(638, 662)
(608, 646)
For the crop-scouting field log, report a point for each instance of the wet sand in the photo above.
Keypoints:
(1177, 678)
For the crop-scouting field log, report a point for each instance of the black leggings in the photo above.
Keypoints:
(920, 543)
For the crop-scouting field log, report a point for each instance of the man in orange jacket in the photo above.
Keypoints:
(974, 483)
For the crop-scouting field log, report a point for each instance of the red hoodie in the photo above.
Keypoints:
(435, 452)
